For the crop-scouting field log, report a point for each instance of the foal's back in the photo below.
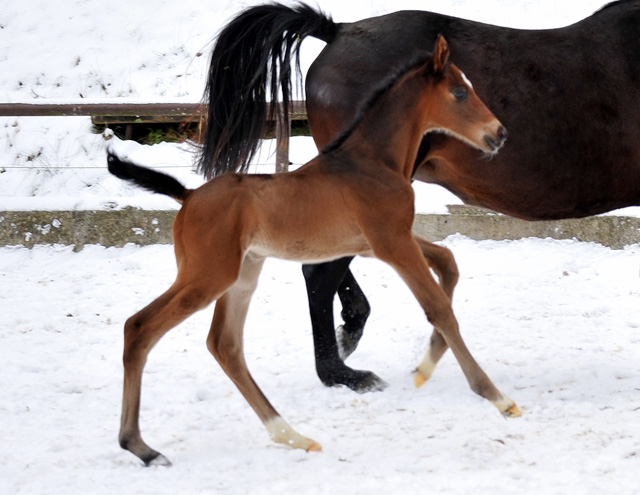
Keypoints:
(309, 215)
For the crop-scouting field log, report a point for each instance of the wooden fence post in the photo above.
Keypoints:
(283, 131)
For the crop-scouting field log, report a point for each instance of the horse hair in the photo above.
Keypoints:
(236, 116)
(613, 4)
(151, 180)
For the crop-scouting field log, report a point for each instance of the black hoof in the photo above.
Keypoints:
(348, 340)
(357, 380)
(158, 460)
(369, 382)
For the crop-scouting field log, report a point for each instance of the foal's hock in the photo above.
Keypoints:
(354, 199)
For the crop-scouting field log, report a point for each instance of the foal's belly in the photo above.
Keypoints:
(311, 248)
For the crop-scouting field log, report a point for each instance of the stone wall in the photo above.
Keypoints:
(142, 227)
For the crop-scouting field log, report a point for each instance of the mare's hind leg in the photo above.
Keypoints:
(441, 260)
(355, 311)
(322, 281)
(225, 343)
(405, 256)
(141, 332)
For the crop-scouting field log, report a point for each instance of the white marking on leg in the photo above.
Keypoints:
(507, 407)
(280, 432)
(427, 366)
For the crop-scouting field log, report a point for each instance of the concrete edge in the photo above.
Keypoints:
(144, 227)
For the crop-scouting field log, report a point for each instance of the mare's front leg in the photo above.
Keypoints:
(226, 344)
(403, 253)
(322, 281)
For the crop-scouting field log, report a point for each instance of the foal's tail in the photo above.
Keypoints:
(147, 178)
(252, 56)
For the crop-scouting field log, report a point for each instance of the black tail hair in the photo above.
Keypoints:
(253, 56)
(152, 180)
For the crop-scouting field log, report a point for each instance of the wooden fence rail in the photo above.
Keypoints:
(141, 113)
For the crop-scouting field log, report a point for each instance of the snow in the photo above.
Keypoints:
(127, 51)
(553, 323)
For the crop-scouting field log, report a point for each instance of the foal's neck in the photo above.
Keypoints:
(392, 130)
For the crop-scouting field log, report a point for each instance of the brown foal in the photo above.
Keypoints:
(353, 199)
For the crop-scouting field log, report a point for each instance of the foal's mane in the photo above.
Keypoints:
(417, 60)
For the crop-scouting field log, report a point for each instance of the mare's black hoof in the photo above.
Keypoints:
(357, 380)
(370, 382)
(158, 460)
(348, 340)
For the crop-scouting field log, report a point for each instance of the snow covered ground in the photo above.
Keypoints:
(553, 323)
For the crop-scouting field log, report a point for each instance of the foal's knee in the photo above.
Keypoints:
(450, 264)
(450, 267)
(441, 317)
(132, 343)
(444, 265)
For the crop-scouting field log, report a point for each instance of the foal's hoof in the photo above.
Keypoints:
(280, 432)
(508, 408)
(315, 447)
(513, 412)
(420, 377)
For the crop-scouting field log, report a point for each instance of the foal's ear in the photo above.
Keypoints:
(440, 55)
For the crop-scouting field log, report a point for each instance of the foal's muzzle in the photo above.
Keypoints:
(496, 143)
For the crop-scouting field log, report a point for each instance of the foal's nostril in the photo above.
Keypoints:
(502, 134)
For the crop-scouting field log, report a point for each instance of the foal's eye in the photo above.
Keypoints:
(460, 93)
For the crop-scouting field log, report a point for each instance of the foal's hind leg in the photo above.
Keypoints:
(225, 343)
(405, 256)
(441, 260)
(141, 332)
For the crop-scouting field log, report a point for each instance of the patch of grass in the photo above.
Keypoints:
(149, 133)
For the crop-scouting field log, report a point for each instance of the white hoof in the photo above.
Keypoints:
(280, 432)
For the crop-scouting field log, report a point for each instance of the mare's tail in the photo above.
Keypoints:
(147, 178)
(252, 57)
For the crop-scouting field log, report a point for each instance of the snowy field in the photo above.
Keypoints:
(555, 324)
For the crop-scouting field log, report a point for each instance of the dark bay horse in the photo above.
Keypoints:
(579, 84)
(353, 199)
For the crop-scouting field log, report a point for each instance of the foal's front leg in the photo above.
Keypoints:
(441, 260)
(404, 255)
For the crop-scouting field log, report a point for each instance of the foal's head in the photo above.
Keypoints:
(443, 95)
(453, 106)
